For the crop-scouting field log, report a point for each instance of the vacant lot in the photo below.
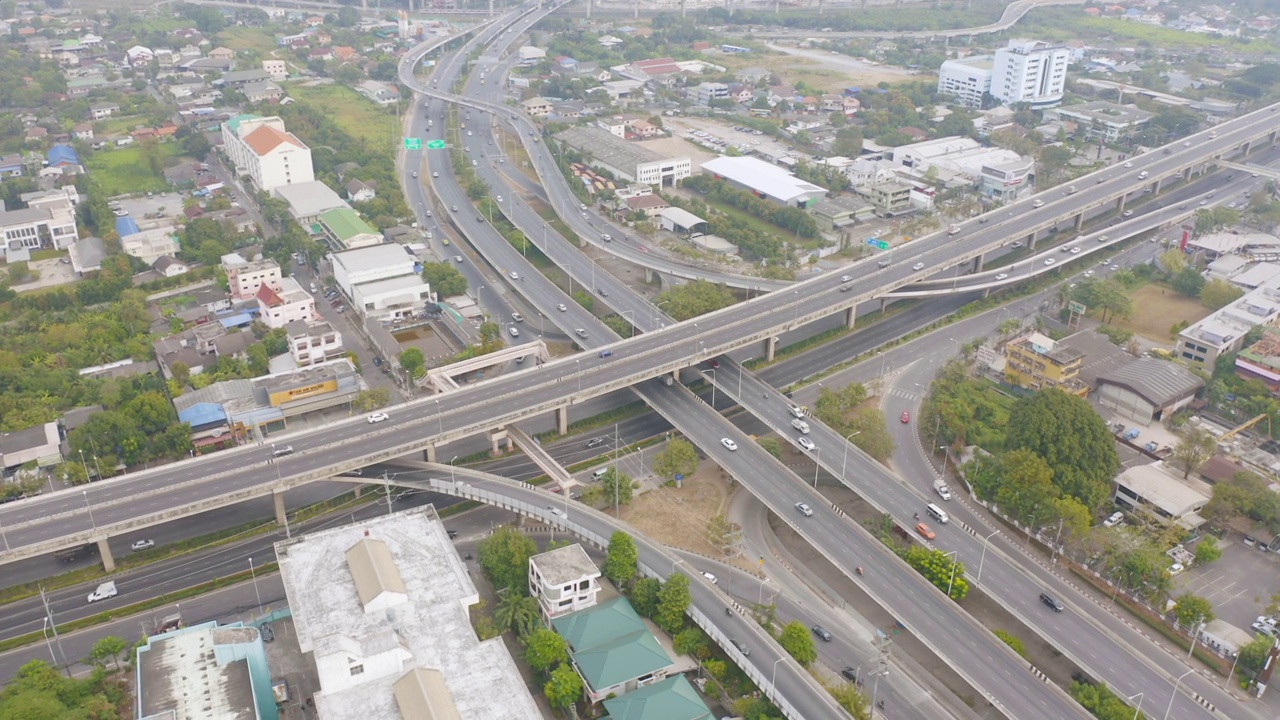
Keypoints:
(243, 39)
(1156, 309)
(122, 171)
(353, 113)
(794, 66)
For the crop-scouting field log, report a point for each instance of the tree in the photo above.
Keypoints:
(564, 688)
(413, 362)
(622, 560)
(679, 457)
(673, 601)
(644, 595)
(544, 649)
(1195, 446)
(1173, 261)
(798, 643)
(617, 486)
(1207, 550)
(692, 642)
(1219, 293)
(109, 647)
(372, 399)
(1253, 657)
(348, 16)
(1025, 491)
(1192, 610)
(695, 298)
(1188, 282)
(772, 446)
(504, 557)
(444, 279)
(1072, 438)
(722, 533)
(516, 612)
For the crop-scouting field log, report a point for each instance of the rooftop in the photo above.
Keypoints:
(609, 148)
(763, 177)
(373, 257)
(430, 631)
(1100, 354)
(1106, 112)
(200, 672)
(670, 699)
(345, 223)
(266, 138)
(1160, 382)
(564, 565)
(1155, 484)
(1043, 345)
(309, 198)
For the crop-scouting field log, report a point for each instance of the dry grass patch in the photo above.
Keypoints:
(1156, 309)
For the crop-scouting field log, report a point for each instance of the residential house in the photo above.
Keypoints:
(82, 131)
(262, 91)
(313, 343)
(345, 54)
(1037, 362)
(277, 70)
(537, 107)
(41, 444)
(169, 266)
(741, 93)
(612, 649)
(564, 581)
(360, 191)
(99, 111)
(139, 56)
(379, 92)
(244, 277)
(152, 244)
(222, 53)
(285, 302)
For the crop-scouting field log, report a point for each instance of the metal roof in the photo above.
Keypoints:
(1159, 382)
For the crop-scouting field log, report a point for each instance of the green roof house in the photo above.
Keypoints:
(612, 649)
(671, 699)
(346, 230)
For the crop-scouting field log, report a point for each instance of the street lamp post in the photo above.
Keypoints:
(653, 310)
(1174, 694)
(453, 476)
(774, 679)
(254, 576)
(986, 541)
(439, 418)
(85, 495)
(1195, 633)
(1137, 710)
(713, 387)
(578, 364)
(955, 560)
(817, 454)
(844, 462)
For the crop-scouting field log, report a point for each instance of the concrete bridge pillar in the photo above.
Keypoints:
(1244, 149)
(977, 263)
(648, 275)
(884, 305)
(429, 453)
(278, 497)
(496, 439)
(1155, 187)
(851, 317)
(1031, 241)
(1119, 206)
(562, 419)
(104, 550)
(359, 489)
(770, 347)
(1079, 223)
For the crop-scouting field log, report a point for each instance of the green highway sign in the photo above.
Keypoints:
(880, 244)
(435, 144)
(413, 143)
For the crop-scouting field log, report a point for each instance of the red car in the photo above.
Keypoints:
(714, 364)
(906, 417)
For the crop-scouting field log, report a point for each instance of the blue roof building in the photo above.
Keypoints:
(61, 155)
(126, 226)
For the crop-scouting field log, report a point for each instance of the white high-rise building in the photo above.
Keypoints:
(1030, 71)
(262, 149)
(966, 79)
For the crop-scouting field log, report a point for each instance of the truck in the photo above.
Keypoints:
(940, 487)
(952, 229)
(104, 591)
(74, 553)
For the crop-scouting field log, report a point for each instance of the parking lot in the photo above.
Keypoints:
(1239, 585)
(145, 209)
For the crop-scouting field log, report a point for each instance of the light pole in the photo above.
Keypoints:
(986, 541)
(85, 494)
(386, 484)
(453, 476)
(847, 442)
(795, 317)
(1174, 694)
(254, 576)
(955, 560)
(1195, 633)
(653, 310)
(713, 386)
(633, 320)
(774, 679)
(578, 363)
(875, 689)
(817, 453)
(439, 417)
(1138, 709)
(44, 630)
(86, 467)
(882, 358)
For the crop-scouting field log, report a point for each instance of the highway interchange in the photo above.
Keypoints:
(675, 346)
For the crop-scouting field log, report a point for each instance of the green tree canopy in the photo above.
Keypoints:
(621, 562)
(444, 279)
(1219, 293)
(616, 486)
(1195, 446)
(413, 361)
(798, 642)
(564, 688)
(644, 595)
(1065, 431)
(693, 299)
(504, 557)
(1193, 609)
(679, 457)
(544, 650)
(673, 601)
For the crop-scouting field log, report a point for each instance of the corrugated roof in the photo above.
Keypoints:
(625, 658)
(344, 223)
(421, 694)
(1159, 382)
(762, 177)
(374, 570)
(202, 414)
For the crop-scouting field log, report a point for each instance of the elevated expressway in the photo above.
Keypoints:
(138, 499)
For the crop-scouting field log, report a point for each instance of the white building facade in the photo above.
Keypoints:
(1030, 71)
(262, 149)
(966, 79)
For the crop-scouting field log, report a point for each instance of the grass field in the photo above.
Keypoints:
(1069, 23)
(1155, 310)
(118, 124)
(125, 170)
(352, 112)
(242, 39)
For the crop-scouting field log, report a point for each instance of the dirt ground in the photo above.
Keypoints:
(1156, 309)
(678, 516)
(807, 66)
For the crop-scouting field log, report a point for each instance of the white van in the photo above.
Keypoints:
(796, 411)
(1142, 175)
(938, 513)
(800, 425)
(598, 475)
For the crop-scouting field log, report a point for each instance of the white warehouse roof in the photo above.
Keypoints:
(763, 177)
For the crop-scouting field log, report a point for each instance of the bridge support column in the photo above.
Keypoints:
(562, 419)
(496, 438)
(1244, 149)
(104, 550)
(977, 264)
(1031, 242)
(648, 275)
(1119, 207)
(1155, 188)
(429, 453)
(884, 305)
(278, 497)
(770, 347)
(357, 491)
(1080, 221)
(850, 317)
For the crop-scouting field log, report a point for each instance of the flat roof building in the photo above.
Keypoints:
(627, 161)
(564, 580)
(1224, 331)
(1102, 120)
(765, 180)
(966, 79)
(382, 607)
(1163, 493)
(205, 671)
(1037, 362)
(345, 230)
(308, 200)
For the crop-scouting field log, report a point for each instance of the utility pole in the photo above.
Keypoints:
(883, 645)
(48, 614)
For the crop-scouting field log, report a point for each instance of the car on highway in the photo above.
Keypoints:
(1002, 276)
(846, 278)
(1051, 601)
(606, 237)
(513, 275)
(603, 292)
(728, 443)
(850, 674)
(918, 266)
(454, 208)
(714, 364)
(1050, 261)
(1075, 251)
(517, 317)
(1128, 164)
(282, 451)
(139, 545)
(804, 509)
(805, 443)
(906, 416)
(457, 258)
(595, 442)
(1037, 204)
(710, 578)
(1127, 213)
(561, 307)
(742, 648)
(515, 331)
(1103, 238)
(846, 288)
(822, 632)
(498, 198)
(580, 333)
(925, 531)
(377, 417)
(415, 173)
(435, 174)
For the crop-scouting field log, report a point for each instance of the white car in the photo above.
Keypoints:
(377, 417)
(1176, 569)
(806, 443)
(513, 275)
(845, 278)
(1128, 164)
(1050, 261)
(1116, 518)
(918, 266)
(710, 578)
(1075, 251)
(498, 198)
(139, 545)
(1103, 238)
(729, 443)
(1002, 276)
(562, 308)
(804, 509)
(457, 258)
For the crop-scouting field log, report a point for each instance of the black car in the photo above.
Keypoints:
(377, 362)
(850, 674)
(821, 632)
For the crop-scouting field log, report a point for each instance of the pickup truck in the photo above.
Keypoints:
(940, 487)
(104, 591)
